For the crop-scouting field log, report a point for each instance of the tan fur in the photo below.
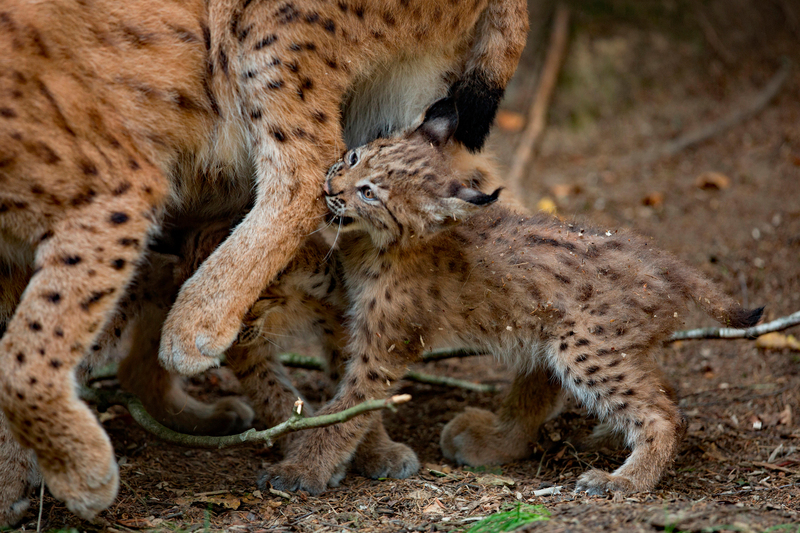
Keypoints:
(112, 112)
(428, 260)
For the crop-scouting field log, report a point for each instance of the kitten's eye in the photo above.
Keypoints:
(367, 193)
(352, 158)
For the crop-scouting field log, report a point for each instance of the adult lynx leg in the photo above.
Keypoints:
(162, 393)
(478, 437)
(82, 267)
(18, 471)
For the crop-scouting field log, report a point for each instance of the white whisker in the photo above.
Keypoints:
(335, 239)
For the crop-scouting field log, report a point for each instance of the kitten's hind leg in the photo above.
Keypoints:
(478, 437)
(629, 395)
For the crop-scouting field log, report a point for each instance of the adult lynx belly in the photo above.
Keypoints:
(113, 113)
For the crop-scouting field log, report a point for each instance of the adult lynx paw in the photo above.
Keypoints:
(475, 438)
(294, 477)
(88, 485)
(196, 333)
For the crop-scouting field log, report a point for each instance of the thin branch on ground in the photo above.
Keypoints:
(753, 107)
(537, 115)
(104, 399)
(295, 360)
(419, 377)
(733, 333)
(713, 38)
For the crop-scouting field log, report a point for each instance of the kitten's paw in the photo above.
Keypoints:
(393, 460)
(294, 477)
(598, 483)
(225, 417)
(195, 336)
(474, 438)
(231, 416)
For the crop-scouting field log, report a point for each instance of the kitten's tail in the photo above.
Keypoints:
(710, 297)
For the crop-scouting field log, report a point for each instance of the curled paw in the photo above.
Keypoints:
(191, 341)
(598, 483)
(293, 477)
(475, 438)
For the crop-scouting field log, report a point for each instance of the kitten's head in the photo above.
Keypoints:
(403, 187)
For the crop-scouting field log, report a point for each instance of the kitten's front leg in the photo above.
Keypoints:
(322, 454)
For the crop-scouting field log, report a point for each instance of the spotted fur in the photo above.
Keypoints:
(428, 260)
(113, 113)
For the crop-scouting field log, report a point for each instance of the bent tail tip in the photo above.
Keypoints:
(746, 318)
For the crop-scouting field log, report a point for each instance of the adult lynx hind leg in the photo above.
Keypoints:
(18, 471)
(288, 69)
(65, 305)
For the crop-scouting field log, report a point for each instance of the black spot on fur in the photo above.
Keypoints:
(21, 358)
(71, 260)
(118, 264)
(119, 218)
(56, 363)
(94, 298)
(121, 189)
(581, 358)
(266, 41)
(35, 326)
(563, 346)
(582, 342)
(592, 369)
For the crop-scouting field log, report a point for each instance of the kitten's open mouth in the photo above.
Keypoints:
(339, 220)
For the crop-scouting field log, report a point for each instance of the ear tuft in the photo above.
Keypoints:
(476, 197)
(441, 121)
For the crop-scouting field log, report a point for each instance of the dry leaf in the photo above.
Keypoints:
(419, 494)
(138, 523)
(229, 501)
(510, 121)
(777, 341)
(436, 507)
(494, 481)
(547, 205)
(562, 190)
(785, 416)
(712, 180)
(654, 198)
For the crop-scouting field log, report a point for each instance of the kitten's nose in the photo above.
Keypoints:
(327, 187)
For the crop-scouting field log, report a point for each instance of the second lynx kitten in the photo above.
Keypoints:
(428, 259)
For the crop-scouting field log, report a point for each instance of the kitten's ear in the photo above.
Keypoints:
(461, 201)
(441, 121)
(476, 197)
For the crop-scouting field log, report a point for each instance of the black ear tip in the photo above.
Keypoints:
(442, 108)
(485, 199)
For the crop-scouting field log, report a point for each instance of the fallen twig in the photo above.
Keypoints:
(312, 363)
(419, 377)
(733, 333)
(753, 107)
(538, 111)
(296, 423)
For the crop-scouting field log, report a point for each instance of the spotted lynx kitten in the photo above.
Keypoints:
(115, 113)
(429, 260)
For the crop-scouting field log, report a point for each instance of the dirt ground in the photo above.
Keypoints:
(637, 75)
